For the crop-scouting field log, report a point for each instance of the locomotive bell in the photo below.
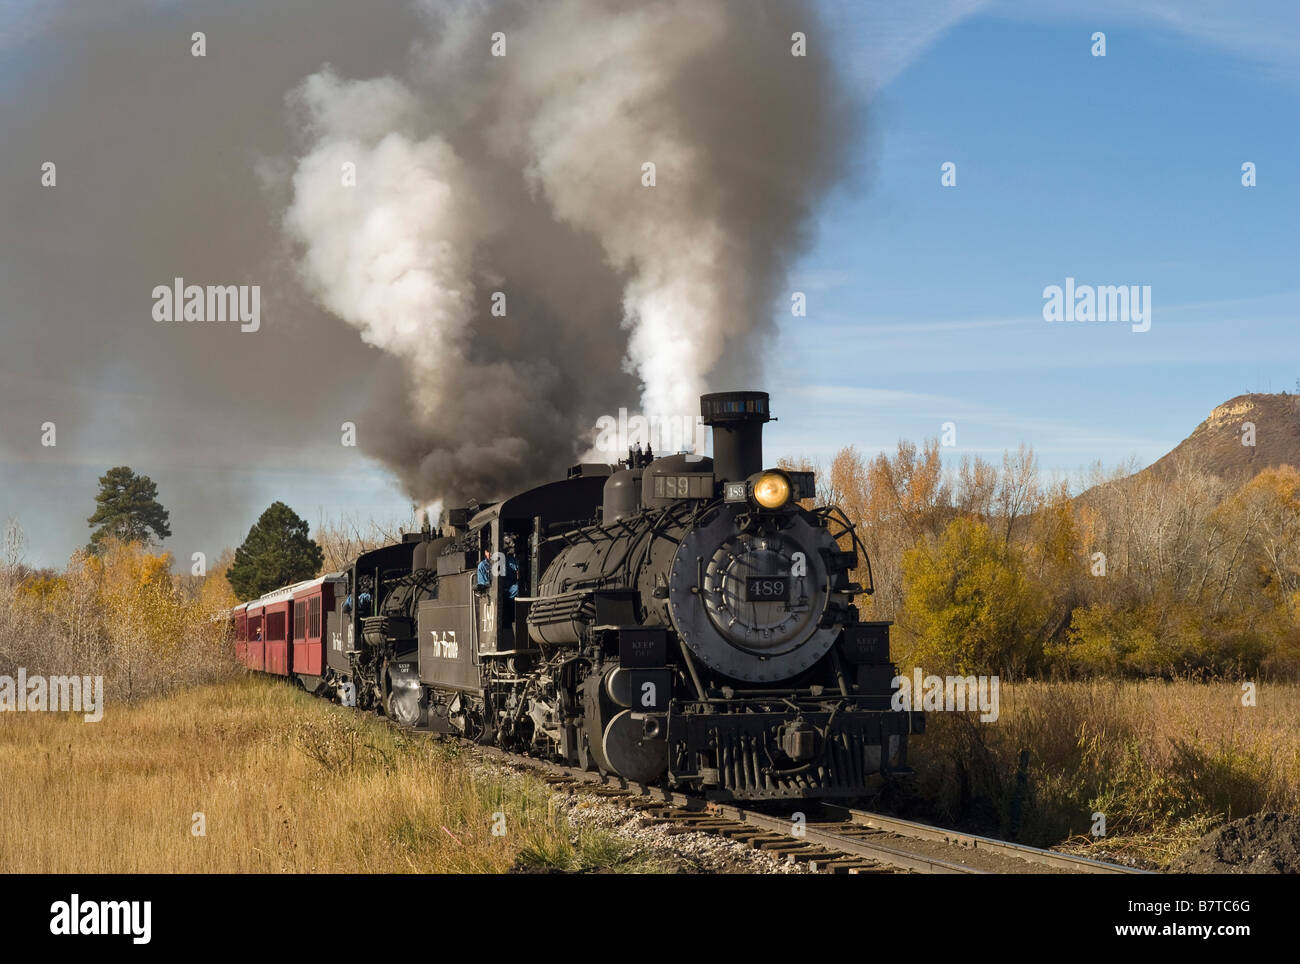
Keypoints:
(737, 421)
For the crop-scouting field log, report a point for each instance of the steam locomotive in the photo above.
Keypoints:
(677, 620)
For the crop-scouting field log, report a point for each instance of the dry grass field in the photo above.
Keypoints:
(285, 783)
(1163, 761)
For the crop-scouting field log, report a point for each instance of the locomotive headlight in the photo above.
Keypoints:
(772, 490)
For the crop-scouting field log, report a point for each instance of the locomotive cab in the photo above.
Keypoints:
(470, 631)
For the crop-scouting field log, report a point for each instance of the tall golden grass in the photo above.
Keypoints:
(285, 783)
(1163, 761)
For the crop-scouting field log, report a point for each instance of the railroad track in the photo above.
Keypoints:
(830, 838)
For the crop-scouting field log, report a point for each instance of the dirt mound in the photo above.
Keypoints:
(1265, 843)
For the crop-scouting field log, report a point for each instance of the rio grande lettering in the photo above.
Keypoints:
(444, 643)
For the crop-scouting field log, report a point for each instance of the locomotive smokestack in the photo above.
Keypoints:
(737, 421)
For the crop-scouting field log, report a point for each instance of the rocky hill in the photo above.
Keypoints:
(1272, 422)
(1216, 445)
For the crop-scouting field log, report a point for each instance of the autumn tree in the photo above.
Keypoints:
(1274, 494)
(970, 605)
(277, 552)
(211, 592)
(897, 501)
(847, 484)
(143, 619)
(909, 491)
(127, 509)
(977, 485)
(1189, 578)
(1017, 492)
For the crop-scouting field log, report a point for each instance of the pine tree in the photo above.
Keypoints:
(277, 552)
(127, 508)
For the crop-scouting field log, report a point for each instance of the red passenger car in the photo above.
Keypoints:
(285, 632)
(311, 601)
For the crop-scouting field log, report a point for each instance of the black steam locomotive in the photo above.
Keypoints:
(678, 620)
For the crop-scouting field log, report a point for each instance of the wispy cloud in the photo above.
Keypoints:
(1265, 32)
(889, 36)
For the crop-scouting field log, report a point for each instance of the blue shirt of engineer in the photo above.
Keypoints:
(511, 577)
(363, 604)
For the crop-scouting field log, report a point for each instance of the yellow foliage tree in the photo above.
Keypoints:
(143, 615)
(1275, 494)
(970, 606)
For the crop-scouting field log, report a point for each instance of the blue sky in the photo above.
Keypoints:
(1117, 170)
(925, 302)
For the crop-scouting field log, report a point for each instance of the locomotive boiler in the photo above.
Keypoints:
(681, 620)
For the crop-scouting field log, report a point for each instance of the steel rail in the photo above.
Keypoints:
(923, 831)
